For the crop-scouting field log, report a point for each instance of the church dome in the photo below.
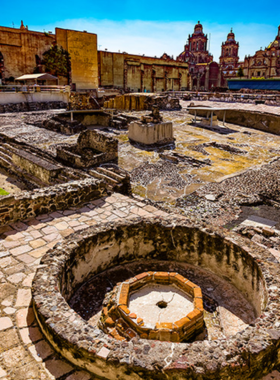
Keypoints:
(198, 28)
(230, 36)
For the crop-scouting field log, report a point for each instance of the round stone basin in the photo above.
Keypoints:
(178, 249)
(160, 303)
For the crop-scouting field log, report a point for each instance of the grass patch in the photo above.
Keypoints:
(3, 192)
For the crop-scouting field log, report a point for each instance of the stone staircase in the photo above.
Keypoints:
(5, 156)
(115, 178)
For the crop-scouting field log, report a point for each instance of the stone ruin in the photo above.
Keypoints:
(140, 102)
(82, 101)
(62, 122)
(148, 294)
(93, 148)
(123, 342)
(151, 130)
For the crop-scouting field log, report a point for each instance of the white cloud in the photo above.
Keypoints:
(153, 38)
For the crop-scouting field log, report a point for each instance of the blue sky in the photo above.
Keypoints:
(152, 27)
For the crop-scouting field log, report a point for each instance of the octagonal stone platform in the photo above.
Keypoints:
(154, 305)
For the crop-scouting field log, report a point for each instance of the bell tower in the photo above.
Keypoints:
(229, 54)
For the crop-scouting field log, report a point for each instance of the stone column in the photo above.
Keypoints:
(142, 80)
(165, 80)
(153, 80)
(125, 76)
(207, 79)
(220, 77)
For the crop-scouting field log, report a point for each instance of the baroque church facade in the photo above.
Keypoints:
(205, 74)
(265, 63)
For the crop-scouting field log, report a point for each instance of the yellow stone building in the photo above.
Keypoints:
(82, 47)
(18, 50)
(139, 73)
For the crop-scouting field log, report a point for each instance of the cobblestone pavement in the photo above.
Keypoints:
(236, 105)
(24, 354)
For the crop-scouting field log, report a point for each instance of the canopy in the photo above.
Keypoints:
(257, 84)
(42, 76)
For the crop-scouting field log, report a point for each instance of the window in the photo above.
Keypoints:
(1, 66)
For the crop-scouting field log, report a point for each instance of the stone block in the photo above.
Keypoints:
(149, 134)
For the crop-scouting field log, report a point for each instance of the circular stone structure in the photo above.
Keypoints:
(249, 354)
(154, 305)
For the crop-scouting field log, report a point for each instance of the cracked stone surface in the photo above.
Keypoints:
(144, 303)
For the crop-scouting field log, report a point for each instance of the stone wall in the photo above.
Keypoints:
(82, 101)
(82, 47)
(42, 201)
(93, 148)
(19, 48)
(25, 107)
(37, 166)
(251, 119)
(250, 354)
(140, 102)
(36, 97)
(137, 73)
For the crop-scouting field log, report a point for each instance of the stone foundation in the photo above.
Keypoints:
(25, 107)
(142, 102)
(93, 148)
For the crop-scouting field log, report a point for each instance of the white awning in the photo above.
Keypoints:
(42, 76)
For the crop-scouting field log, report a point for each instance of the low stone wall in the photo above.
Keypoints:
(93, 147)
(34, 106)
(142, 102)
(35, 97)
(39, 167)
(250, 354)
(251, 119)
(82, 101)
(62, 124)
(26, 205)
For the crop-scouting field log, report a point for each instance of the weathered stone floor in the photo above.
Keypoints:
(24, 354)
(217, 156)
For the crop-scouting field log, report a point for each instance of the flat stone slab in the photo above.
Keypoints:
(144, 303)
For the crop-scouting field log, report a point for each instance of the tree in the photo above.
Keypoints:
(57, 61)
(240, 72)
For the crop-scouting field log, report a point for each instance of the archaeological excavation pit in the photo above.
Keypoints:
(239, 284)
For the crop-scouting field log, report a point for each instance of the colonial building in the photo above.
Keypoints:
(22, 50)
(18, 51)
(265, 63)
(140, 73)
(229, 56)
(204, 73)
